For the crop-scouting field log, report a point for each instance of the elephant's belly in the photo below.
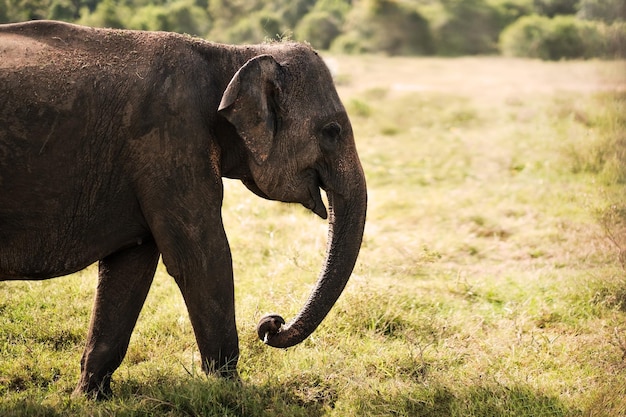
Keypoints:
(36, 253)
(30, 264)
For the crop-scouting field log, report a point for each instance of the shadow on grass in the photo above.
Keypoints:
(483, 401)
(175, 396)
(208, 396)
(214, 397)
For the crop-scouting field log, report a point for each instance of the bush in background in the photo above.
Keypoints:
(181, 16)
(108, 14)
(552, 8)
(322, 24)
(319, 29)
(258, 27)
(614, 36)
(546, 29)
(608, 11)
(563, 37)
(466, 27)
(508, 11)
(385, 26)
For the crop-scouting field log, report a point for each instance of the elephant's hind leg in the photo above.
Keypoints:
(124, 280)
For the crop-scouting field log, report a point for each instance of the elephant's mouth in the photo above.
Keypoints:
(315, 203)
(312, 199)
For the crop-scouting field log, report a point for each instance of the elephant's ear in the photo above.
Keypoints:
(250, 103)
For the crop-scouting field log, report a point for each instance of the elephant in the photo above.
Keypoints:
(113, 149)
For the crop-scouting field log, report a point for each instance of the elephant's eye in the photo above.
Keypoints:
(331, 133)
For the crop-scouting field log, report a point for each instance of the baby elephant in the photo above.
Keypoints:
(113, 145)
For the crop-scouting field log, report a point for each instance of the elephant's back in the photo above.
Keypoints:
(43, 44)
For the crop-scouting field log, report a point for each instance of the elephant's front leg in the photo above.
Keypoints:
(204, 274)
(124, 280)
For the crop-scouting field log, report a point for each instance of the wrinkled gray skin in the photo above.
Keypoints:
(113, 145)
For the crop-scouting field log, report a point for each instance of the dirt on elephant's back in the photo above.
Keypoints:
(70, 48)
(16, 51)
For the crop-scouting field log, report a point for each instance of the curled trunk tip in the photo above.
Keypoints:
(269, 326)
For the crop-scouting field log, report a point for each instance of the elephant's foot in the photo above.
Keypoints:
(94, 389)
(223, 368)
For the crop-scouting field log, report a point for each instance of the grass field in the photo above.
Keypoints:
(491, 281)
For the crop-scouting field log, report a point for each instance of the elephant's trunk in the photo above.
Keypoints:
(347, 211)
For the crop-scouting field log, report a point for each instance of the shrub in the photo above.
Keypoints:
(319, 28)
(107, 14)
(462, 27)
(553, 8)
(467, 27)
(508, 11)
(565, 39)
(614, 38)
(256, 28)
(4, 16)
(350, 43)
(294, 10)
(21, 10)
(63, 10)
(186, 17)
(150, 17)
(608, 11)
(525, 38)
(385, 26)
(562, 37)
(323, 23)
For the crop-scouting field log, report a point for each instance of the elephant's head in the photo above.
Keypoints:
(299, 140)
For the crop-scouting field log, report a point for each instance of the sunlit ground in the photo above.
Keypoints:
(489, 281)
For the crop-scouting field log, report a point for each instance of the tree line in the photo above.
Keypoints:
(547, 29)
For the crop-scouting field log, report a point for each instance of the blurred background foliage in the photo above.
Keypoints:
(546, 29)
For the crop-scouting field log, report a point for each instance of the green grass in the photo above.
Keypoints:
(491, 280)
